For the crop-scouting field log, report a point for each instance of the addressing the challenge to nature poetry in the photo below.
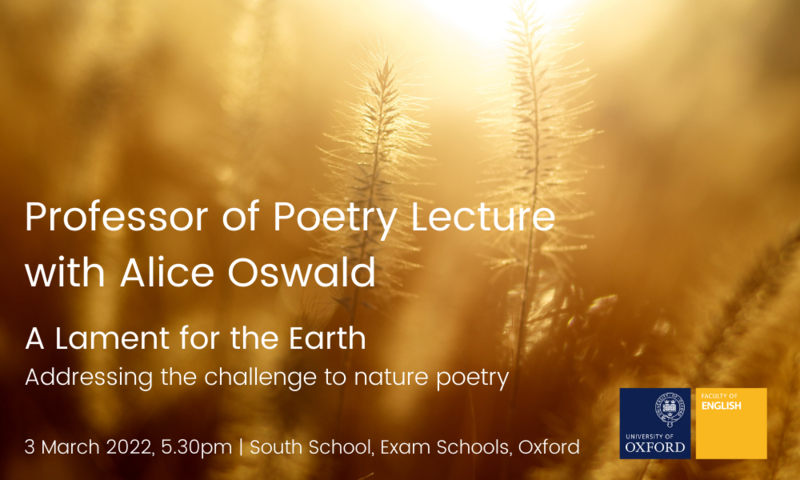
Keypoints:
(400, 239)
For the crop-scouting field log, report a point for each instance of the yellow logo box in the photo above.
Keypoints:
(731, 423)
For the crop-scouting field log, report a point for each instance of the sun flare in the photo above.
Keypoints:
(487, 19)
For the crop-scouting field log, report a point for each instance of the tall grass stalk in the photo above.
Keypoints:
(378, 139)
(535, 167)
(762, 286)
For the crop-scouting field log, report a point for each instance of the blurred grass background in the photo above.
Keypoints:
(214, 103)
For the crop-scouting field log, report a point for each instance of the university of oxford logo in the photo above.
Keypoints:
(670, 408)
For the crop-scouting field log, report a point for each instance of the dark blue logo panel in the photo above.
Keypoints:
(655, 423)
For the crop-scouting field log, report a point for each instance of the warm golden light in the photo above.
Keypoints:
(487, 19)
(399, 239)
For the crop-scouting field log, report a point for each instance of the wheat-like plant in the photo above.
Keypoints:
(378, 138)
(745, 311)
(535, 167)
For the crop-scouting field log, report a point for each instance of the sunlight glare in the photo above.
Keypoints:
(488, 19)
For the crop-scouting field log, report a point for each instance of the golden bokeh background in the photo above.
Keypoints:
(211, 103)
